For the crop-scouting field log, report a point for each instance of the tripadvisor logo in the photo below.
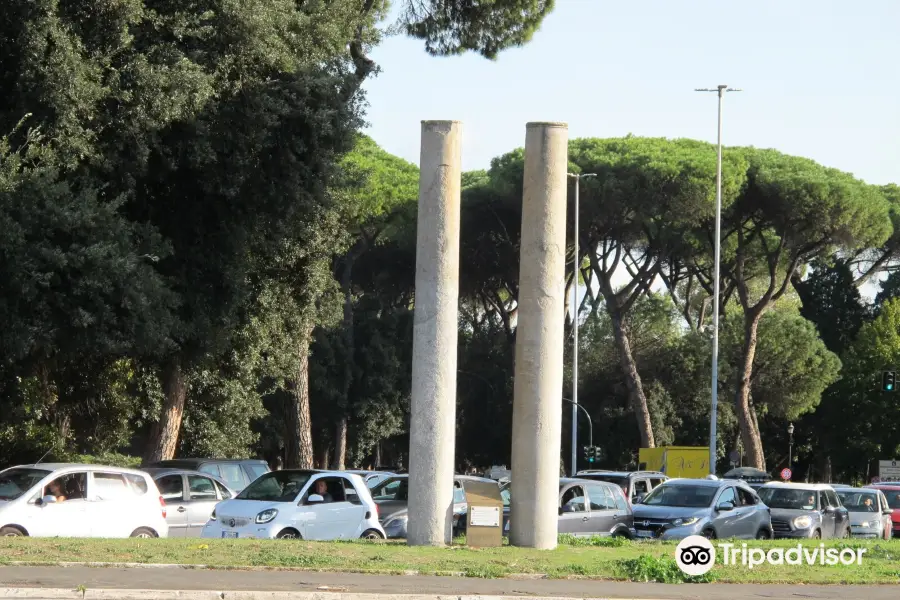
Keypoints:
(695, 555)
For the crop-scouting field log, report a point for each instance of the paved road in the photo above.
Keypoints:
(184, 579)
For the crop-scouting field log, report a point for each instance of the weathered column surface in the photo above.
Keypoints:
(537, 407)
(432, 437)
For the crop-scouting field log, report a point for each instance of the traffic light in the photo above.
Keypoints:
(597, 453)
(589, 454)
(889, 381)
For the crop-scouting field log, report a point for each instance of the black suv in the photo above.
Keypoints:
(635, 484)
(237, 473)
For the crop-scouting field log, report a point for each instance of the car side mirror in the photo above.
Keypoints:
(48, 499)
(725, 507)
(315, 499)
(637, 499)
(830, 509)
(888, 511)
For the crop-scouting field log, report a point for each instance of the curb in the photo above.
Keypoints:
(118, 594)
(202, 567)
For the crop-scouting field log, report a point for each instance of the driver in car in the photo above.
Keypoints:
(56, 490)
(322, 490)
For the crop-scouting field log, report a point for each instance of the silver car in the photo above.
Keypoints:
(190, 498)
(805, 510)
(870, 515)
(392, 498)
(712, 508)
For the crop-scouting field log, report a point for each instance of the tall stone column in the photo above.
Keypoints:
(432, 436)
(537, 406)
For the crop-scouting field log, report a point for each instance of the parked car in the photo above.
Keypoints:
(190, 498)
(713, 508)
(892, 493)
(805, 510)
(635, 484)
(870, 515)
(392, 497)
(298, 504)
(372, 478)
(72, 500)
(586, 508)
(236, 473)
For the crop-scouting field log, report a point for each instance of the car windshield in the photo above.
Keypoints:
(395, 488)
(859, 501)
(788, 499)
(279, 486)
(15, 482)
(685, 496)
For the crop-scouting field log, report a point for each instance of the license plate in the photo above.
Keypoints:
(229, 534)
(646, 534)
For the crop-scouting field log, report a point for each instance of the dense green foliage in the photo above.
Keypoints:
(201, 255)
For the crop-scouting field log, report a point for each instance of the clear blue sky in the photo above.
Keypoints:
(820, 80)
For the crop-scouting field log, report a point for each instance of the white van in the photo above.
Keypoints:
(70, 500)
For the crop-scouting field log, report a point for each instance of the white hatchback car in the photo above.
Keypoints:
(70, 500)
(292, 504)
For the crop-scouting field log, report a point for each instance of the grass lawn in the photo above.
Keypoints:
(594, 558)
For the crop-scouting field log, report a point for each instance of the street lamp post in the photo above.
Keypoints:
(720, 90)
(790, 444)
(574, 465)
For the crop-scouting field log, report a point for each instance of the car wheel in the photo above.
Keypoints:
(817, 535)
(11, 532)
(143, 532)
(709, 534)
(371, 534)
(764, 534)
(846, 535)
(288, 534)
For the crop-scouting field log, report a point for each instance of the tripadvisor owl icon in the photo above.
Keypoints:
(695, 555)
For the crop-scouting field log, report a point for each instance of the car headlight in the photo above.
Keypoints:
(685, 521)
(866, 524)
(266, 516)
(212, 517)
(802, 522)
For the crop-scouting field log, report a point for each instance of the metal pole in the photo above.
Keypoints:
(574, 463)
(586, 414)
(576, 270)
(790, 450)
(713, 436)
(715, 352)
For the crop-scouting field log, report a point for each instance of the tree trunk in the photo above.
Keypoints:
(340, 439)
(636, 395)
(164, 434)
(298, 446)
(747, 421)
(325, 456)
(340, 444)
(377, 455)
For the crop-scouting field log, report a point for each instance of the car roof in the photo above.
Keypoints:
(889, 485)
(847, 488)
(798, 486)
(619, 473)
(568, 480)
(162, 471)
(194, 461)
(705, 482)
(52, 467)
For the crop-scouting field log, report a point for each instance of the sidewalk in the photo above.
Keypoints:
(157, 583)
